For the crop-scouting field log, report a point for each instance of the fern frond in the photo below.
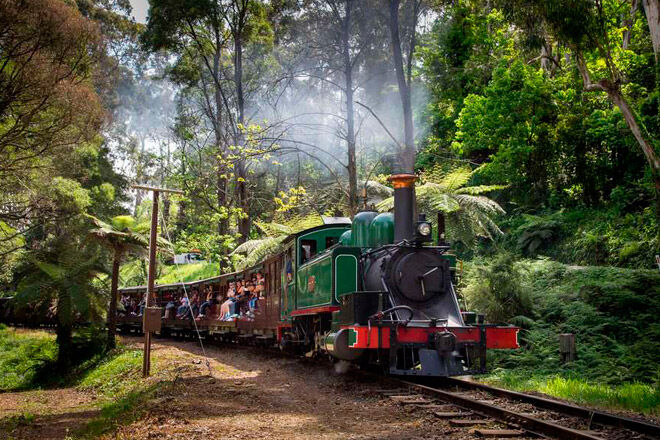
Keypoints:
(456, 179)
(386, 205)
(479, 203)
(480, 189)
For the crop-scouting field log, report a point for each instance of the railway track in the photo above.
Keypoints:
(497, 413)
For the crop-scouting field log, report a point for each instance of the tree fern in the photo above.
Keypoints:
(469, 213)
(274, 233)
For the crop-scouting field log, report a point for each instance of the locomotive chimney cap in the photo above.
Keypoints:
(402, 180)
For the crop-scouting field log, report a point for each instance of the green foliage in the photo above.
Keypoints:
(585, 236)
(535, 234)
(274, 234)
(22, 355)
(187, 272)
(469, 213)
(611, 311)
(11, 242)
(498, 290)
(511, 124)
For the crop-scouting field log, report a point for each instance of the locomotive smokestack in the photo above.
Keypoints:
(403, 205)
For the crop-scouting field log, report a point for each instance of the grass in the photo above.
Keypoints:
(121, 411)
(115, 377)
(638, 397)
(23, 353)
(132, 273)
(188, 272)
(118, 380)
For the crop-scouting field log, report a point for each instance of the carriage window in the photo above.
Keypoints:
(307, 250)
(331, 241)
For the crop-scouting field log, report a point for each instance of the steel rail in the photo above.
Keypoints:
(593, 416)
(532, 425)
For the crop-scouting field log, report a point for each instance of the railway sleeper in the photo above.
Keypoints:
(498, 433)
(452, 415)
(469, 422)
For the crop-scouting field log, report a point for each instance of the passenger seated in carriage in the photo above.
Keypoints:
(260, 285)
(170, 308)
(244, 299)
(183, 312)
(188, 310)
(124, 306)
(208, 309)
(228, 307)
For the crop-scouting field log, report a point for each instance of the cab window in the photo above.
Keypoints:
(307, 250)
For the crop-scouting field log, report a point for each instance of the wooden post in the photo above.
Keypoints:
(151, 275)
(567, 347)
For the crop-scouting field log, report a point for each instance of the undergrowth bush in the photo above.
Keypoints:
(22, 354)
(497, 290)
(612, 311)
(584, 236)
(28, 357)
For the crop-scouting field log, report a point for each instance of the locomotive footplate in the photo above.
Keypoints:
(431, 350)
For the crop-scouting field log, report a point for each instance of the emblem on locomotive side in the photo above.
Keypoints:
(311, 283)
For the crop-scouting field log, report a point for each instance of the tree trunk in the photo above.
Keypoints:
(652, 11)
(166, 211)
(241, 170)
(628, 24)
(244, 222)
(221, 178)
(64, 330)
(112, 308)
(408, 155)
(640, 135)
(139, 176)
(613, 90)
(350, 111)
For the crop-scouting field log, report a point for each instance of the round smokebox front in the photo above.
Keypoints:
(417, 275)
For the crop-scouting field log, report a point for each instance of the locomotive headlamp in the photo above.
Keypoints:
(422, 230)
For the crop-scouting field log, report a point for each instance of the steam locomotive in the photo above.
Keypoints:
(372, 291)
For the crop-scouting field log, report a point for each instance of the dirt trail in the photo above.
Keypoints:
(45, 414)
(261, 396)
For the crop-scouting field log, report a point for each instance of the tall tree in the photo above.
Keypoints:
(344, 34)
(652, 10)
(210, 40)
(403, 41)
(48, 105)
